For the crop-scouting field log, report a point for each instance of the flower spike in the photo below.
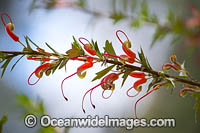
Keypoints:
(88, 47)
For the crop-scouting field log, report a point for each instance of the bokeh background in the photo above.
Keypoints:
(56, 26)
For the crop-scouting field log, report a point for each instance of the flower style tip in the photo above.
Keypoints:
(88, 46)
(90, 90)
(62, 89)
(39, 72)
(106, 83)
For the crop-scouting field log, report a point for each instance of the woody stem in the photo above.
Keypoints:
(132, 67)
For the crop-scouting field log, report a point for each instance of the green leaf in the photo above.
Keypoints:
(2, 57)
(117, 16)
(197, 105)
(5, 65)
(63, 63)
(29, 49)
(98, 53)
(61, 56)
(2, 122)
(103, 72)
(27, 38)
(133, 5)
(136, 23)
(159, 34)
(29, 106)
(125, 5)
(74, 52)
(17, 62)
(81, 3)
(56, 66)
(47, 130)
(144, 11)
(109, 49)
(171, 17)
(153, 82)
(125, 76)
(75, 43)
(144, 60)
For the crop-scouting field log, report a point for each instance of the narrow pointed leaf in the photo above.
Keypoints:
(17, 62)
(103, 72)
(125, 76)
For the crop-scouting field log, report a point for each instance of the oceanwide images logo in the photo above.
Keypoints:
(96, 121)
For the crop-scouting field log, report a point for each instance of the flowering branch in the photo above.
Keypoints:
(90, 54)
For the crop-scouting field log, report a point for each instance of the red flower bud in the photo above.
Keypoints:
(137, 74)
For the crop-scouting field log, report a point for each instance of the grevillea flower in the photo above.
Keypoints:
(9, 28)
(80, 69)
(88, 46)
(184, 91)
(106, 84)
(137, 85)
(174, 64)
(155, 87)
(126, 45)
(39, 72)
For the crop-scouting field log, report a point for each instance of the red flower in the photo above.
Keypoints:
(88, 47)
(126, 45)
(137, 84)
(80, 69)
(39, 72)
(9, 28)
